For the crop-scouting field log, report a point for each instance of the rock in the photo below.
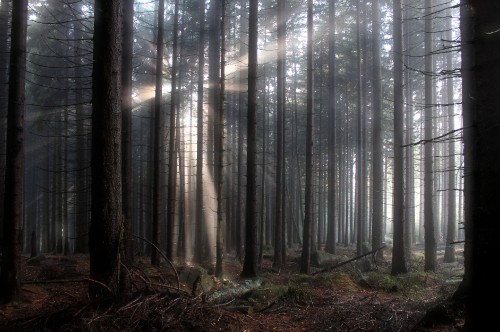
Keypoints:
(320, 258)
(197, 279)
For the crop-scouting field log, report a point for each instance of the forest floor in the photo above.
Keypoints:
(358, 296)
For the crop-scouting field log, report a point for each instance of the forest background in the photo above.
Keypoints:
(235, 127)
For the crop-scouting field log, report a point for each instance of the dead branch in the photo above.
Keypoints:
(164, 256)
(53, 281)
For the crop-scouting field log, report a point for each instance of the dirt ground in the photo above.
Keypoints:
(359, 296)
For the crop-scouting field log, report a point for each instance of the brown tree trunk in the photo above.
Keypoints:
(377, 146)
(158, 134)
(306, 237)
(172, 153)
(398, 251)
(106, 228)
(219, 152)
(430, 261)
(280, 97)
(250, 261)
(14, 171)
(481, 70)
(198, 235)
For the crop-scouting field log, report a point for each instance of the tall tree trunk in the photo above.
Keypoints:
(409, 155)
(198, 237)
(250, 261)
(4, 62)
(430, 260)
(81, 182)
(241, 107)
(331, 236)
(377, 145)
(449, 252)
(219, 152)
(481, 68)
(127, 55)
(360, 220)
(306, 235)
(398, 251)
(106, 229)
(14, 171)
(172, 153)
(158, 134)
(213, 78)
(280, 99)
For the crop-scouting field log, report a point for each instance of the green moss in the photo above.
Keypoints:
(339, 280)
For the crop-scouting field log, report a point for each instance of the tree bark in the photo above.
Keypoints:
(219, 152)
(172, 148)
(306, 245)
(481, 70)
(158, 134)
(430, 253)
(106, 228)
(198, 237)
(398, 251)
(127, 55)
(331, 237)
(280, 101)
(377, 145)
(250, 261)
(14, 168)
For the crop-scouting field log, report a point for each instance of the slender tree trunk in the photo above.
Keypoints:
(280, 99)
(81, 182)
(331, 236)
(250, 261)
(158, 119)
(198, 237)
(377, 145)
(172, 153)
(306, 246)
(409, 155)
(359, 140)
(241, 106)
(430, 240)
(449, 253)
(4, 90)
(398, 251)
(219, 152)
(13, 205)
(127, 55)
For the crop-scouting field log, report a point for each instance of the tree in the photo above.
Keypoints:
(198, 251)
(172, 152)
(127, 55)
(377, 155)
(157, 178)
(13, 198)
(250, 261)
(219, 151)
(280, 97)
(305, 258)
(449, 252)
(398, 251)
(331, 237)
(430, 240)
(106, 228)
(4, 60)
(481, 84)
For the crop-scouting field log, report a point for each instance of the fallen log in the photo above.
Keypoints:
(347, 261)
(227, 294)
